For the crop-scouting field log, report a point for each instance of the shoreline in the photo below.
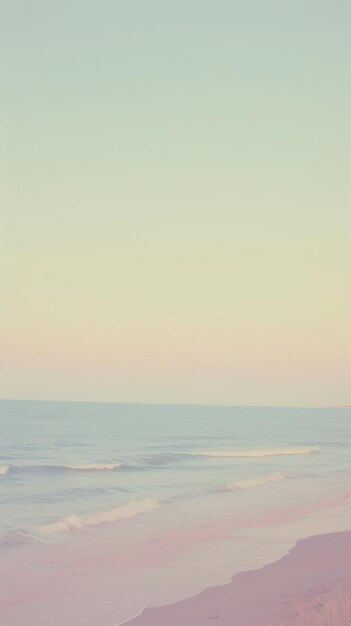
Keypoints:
(320, 564)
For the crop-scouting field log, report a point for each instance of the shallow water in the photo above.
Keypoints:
(105, 508)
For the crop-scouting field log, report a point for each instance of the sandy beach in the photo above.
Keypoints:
(164, 506)
(314, 577)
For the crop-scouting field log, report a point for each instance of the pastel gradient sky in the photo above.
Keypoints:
(175, 201)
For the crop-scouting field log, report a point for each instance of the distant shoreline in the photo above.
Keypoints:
(341, 406)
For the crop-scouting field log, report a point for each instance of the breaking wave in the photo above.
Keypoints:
(74, 523)
(98, 467)
(83, 467)
(257, 453)
(258, 481)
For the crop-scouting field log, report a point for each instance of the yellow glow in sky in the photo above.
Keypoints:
(176, 214)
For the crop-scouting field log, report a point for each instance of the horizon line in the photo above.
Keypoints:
(268, 406)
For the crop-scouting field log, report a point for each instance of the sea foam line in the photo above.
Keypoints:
(73, 523)
(99, 467)
(257, 453)
(258, 481)
(129, 619)
(42, 468)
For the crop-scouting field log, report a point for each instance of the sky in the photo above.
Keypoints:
(175, 201)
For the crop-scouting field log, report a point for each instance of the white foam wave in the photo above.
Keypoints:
(257, 453)
(94, 467)
(4, 469)
(73, 523)
(258, 481)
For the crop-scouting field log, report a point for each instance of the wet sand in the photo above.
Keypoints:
(315, 566)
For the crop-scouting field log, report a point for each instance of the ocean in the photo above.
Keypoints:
(108, 508)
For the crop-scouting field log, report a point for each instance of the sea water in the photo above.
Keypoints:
(108, 508)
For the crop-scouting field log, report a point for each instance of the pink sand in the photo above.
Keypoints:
(258, 598)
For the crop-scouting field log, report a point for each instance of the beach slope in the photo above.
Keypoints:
(316, 567)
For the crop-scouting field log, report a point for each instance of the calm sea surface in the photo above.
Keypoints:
(105, 508)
